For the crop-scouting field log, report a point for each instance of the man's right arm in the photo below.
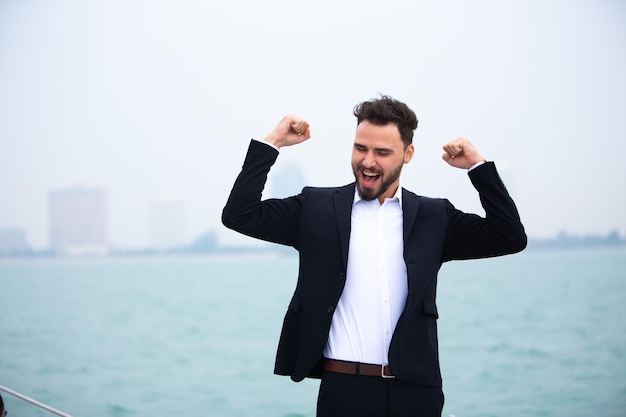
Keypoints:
(274, 220)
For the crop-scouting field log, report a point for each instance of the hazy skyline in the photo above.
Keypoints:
(150, 98)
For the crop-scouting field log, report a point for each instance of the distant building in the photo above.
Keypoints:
(167, 223)
(12, 242)
(207, 242)
(287, 181)
(78, 221)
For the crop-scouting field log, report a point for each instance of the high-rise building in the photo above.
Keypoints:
(78, 221)
(167, 223)
(287, 181)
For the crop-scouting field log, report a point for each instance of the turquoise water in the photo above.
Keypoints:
(535, 334)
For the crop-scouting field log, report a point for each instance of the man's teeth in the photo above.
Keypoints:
(370, 174)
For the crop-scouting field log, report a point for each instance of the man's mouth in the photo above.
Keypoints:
(369, 177)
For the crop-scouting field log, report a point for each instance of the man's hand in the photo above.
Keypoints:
(290, 131)
(460, 153)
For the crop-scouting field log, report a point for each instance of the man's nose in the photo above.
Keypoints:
(369, 161)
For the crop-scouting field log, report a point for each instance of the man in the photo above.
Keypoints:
(363, 314)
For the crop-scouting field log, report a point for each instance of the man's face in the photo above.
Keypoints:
(377, 158)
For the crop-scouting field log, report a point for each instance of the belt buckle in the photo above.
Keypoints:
(382, 373)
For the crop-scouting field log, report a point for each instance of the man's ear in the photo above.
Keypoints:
(408, 153)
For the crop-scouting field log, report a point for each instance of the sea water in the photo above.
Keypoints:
(534, 334)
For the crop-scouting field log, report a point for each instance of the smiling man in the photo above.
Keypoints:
(363, 314)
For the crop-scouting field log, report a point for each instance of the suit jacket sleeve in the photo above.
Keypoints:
(273, 220)
(500, 232)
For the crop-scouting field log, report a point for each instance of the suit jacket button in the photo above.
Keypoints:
(331, 309)
(342, 276)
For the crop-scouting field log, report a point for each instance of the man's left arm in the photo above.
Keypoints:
(500, 232)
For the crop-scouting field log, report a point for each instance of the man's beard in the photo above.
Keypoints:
(369, 194)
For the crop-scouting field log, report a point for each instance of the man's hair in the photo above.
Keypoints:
(384, 110)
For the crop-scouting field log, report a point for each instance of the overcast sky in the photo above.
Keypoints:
(152, 98)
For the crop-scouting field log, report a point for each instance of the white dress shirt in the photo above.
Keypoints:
(376, 286)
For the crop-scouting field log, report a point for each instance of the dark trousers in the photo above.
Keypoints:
(343, 395)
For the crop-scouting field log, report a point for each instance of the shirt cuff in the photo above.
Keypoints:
(477, 164)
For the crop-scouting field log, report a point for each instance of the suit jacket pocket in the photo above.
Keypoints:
(430, 308)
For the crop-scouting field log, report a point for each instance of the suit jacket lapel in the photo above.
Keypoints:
(410, 208)
(344, 197)
(410, 204)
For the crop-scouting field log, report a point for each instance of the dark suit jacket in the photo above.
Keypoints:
(317, 224)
